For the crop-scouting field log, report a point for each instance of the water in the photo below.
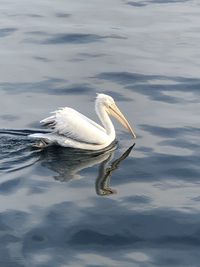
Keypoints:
(131, 206)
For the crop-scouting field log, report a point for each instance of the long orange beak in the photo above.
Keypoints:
(115, 112)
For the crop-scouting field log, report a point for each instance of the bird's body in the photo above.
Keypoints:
(72, 129)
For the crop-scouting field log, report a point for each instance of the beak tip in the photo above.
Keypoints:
(134, 135)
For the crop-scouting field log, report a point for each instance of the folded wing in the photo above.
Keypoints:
(72, 124)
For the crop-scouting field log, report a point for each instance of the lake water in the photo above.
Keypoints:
(131, 206)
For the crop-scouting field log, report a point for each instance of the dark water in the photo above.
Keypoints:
(130, 206)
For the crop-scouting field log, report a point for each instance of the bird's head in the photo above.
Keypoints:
(111, 108)
(105, 100)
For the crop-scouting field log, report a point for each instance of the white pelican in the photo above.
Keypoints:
(72, 129)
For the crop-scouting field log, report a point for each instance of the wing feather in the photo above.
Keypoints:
(72, 124)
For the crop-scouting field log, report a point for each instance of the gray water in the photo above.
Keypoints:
(130, 206)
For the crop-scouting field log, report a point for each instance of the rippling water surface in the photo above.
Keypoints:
(132, 205)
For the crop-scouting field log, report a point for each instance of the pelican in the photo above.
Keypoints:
(72, 129)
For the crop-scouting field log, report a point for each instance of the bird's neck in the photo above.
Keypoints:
(105, 120)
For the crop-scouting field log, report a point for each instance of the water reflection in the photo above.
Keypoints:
(68, 164)
(18, 152)
(104, 176)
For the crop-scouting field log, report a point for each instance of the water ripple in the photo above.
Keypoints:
(7, 31)
(16, 150)
(156, 87)
(145, 3)
(49, 86)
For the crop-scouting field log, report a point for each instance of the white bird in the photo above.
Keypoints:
(72, 129)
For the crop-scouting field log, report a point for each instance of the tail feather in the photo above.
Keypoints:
(49, 122)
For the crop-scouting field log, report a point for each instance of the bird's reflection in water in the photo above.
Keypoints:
(103, 179)
(68, 163)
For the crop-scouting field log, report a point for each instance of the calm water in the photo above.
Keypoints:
(131, 206)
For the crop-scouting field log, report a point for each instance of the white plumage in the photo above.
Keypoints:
(72, 129)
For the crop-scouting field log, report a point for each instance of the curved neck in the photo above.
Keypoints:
(105, 119)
